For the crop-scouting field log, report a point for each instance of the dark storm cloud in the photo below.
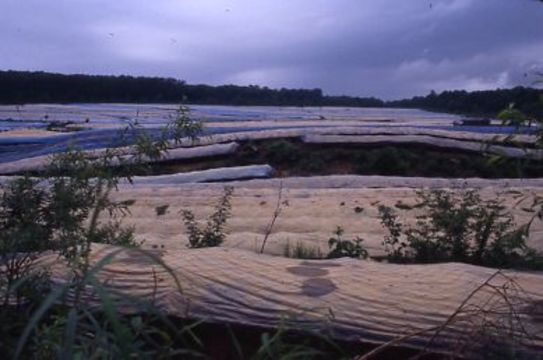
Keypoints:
(384, 48)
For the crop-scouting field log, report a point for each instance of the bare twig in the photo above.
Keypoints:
(497, 292)
(276, 214)
(461, 307)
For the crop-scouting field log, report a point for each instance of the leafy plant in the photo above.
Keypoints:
(61, 213)
(179, 127)
(394, 244)
(24, 234)
(161, 210)
(458, 227)
(346, 248)
(213, 234)
(512, 116)
(115, 233)
(79, 190)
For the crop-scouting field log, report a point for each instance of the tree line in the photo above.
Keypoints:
(21, 87)
(482, 103)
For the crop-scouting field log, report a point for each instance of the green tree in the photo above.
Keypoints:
(512, 116)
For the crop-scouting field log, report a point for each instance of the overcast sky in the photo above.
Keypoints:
(385, 48)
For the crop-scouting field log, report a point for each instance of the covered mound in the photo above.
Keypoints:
(224, 143)
(440, 306)
(312, 208)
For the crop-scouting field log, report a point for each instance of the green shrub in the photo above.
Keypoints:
(24, 225)
(512, 116)
(391, 161)
(161, 210)
(213, 234)
(24, 233)
(458, 227)
(346, 248)
(283, 152)
(61, 213)
(115, 233)
(314, 163)
(385, 161)
(366, 161)
(78, 192)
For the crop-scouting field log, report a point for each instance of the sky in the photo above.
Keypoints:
(385, 48)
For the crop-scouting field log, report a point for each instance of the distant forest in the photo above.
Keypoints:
(482, 103)
(18, 87)
(22, 87)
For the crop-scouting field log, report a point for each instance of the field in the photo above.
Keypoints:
(300, 177)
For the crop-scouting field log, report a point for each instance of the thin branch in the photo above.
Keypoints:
(460, 307)
(437, 329)
(276, 214)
